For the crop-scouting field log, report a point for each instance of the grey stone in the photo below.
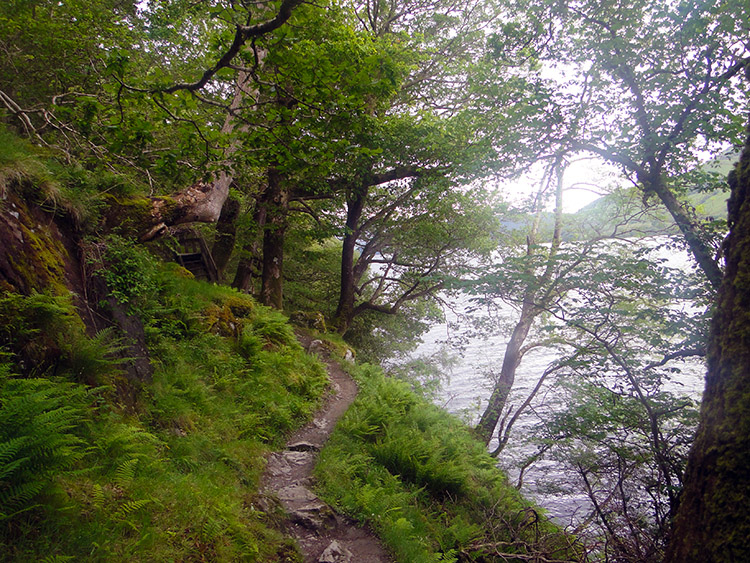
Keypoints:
(298, 458)
(335, 553)
(302, 447)
(297, 493)
(278, 465)
(315, 517)
(316, 348)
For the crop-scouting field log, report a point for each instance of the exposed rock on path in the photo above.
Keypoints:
(323, 535)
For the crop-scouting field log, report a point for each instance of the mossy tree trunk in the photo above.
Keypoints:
(713, 521)
(250, 263)
(276, 199)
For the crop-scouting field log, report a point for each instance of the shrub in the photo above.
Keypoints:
(129, 271)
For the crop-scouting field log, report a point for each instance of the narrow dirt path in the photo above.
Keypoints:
(323, 535)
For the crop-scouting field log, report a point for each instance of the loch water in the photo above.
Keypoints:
(468, 384)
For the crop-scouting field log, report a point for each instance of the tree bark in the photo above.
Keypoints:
(226, 231)
(530, 309)
(277, 202)
(713, 521)
(345, 310)
(250, 264)
(201, 202)
(504, 383)
(701, 251)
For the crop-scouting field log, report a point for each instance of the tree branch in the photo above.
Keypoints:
(686, 353)
(241, 35)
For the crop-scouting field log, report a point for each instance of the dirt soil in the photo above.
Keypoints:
(323, 535)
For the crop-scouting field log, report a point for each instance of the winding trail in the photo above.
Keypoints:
(323, 535)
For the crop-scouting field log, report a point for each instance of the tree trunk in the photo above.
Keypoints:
(713, 521)
(504, 383)
(535, 291)
(345, 309)
(701, 251)
(250, 264)
(277, 201)
(226, 231)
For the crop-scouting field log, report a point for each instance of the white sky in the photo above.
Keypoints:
(585, 180)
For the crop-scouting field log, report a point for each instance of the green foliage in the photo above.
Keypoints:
(129, 271)
(425, 374)
(313, 272)
(174, 476)
(626, 326)
(424, 484)
(20, 161)
(45, 335)
(377, 337)
(389, 91)
(39, 441)
(274, 328)
(48, 47)
(83, 193)
(62, 189)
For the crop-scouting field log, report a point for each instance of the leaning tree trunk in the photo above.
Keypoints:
(511, 359)
(533, 305)
(691, 231)
(713, 521)
(200, 203)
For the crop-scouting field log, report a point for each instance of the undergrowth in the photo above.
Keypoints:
(174, 478)
(426, 486)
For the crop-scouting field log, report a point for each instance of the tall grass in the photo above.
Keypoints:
(174, 479)
(429, 489)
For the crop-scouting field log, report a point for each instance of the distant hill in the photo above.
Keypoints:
(625, 212)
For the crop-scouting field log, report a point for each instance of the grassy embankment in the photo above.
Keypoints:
(417, 476)
(97, 467)
(173, 477)
(94, 464)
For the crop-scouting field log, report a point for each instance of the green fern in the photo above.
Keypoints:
(97, 496)
(129, 507)
(126, 441)
(211, 529)
(125, 472)
(91, 360)
(38, 418)
(9, 460)
(44, 333)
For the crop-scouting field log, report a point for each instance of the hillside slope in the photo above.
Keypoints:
(139, 406)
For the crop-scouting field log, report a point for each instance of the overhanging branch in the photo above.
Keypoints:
(242, 34)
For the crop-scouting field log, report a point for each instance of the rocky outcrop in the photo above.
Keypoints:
(41, 251)
(36, 254)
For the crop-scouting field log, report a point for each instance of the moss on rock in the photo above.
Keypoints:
(33, 256)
